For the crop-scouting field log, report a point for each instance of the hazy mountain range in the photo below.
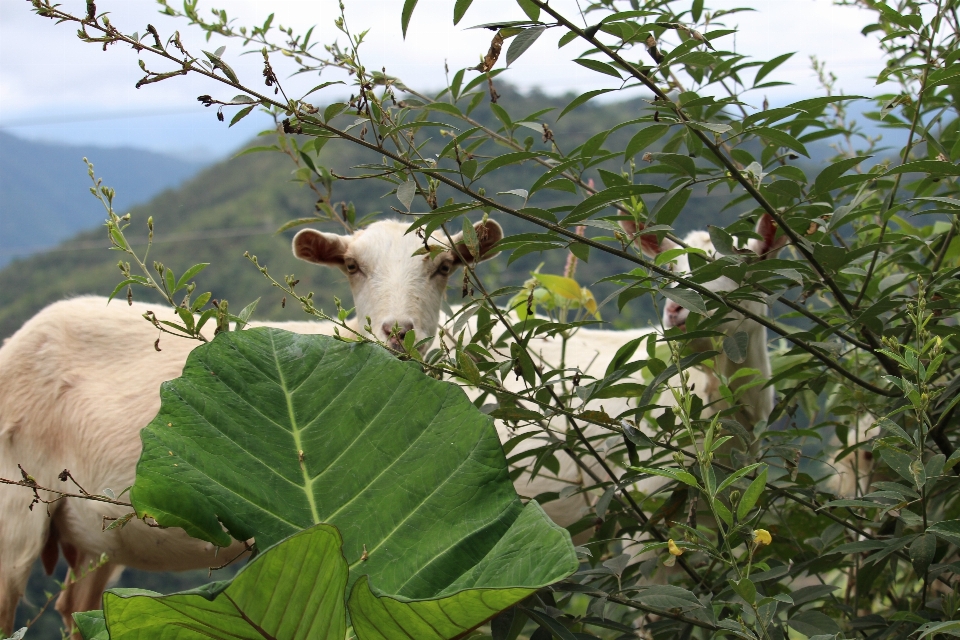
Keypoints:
(44, 197)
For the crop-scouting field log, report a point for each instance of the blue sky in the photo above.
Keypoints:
(54, 87)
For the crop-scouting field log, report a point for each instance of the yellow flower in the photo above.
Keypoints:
(673, 548)
(762, 537)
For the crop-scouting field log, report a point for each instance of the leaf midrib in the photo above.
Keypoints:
(295, 430)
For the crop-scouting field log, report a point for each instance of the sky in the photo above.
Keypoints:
(54, 87)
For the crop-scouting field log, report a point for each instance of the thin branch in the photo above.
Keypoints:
(737, 175)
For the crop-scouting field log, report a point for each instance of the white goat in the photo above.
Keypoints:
(854, 470)
(80, 379)
(592, 350)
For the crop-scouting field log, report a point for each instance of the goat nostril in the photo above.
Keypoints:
(397, 329)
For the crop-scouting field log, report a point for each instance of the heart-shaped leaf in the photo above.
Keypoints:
(268, 432)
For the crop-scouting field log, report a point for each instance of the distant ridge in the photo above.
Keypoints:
(236, 205)
(44, 195)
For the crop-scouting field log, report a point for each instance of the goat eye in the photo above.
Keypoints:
(444, 269)
(351, 266)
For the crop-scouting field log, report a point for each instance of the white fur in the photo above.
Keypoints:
(592, 350)
(80, 379)
(854, 471)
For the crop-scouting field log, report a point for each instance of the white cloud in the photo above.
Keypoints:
(47, 73)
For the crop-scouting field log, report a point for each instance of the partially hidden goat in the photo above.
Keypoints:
(81, 379)
(591, 351)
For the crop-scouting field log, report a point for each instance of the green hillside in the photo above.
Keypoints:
(41, 187)
(236, 205)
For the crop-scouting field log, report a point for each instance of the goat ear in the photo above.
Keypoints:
(489, 233)
(769, 245)
(320, 248)
(648, 243)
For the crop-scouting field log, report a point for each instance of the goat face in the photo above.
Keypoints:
(397, 290)
(675, 314)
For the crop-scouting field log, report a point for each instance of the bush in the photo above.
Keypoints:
(830, 515)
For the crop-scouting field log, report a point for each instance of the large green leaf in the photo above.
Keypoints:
(490, 587)
(269, 432)
(293, 591)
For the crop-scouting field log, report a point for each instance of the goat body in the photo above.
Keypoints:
(591, 351)
(81, 379)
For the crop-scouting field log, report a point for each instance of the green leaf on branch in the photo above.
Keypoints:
(240, 115)
(668, 597)
(745, 589)
(670, 205)
(475, 597)
(932, 628)
(244, 316)
(459, 9)
(828, 176)
(696, 10)
(736, 475)
(812, 623)
(505, 160)
(950, 75)
(644, 138)
(582, 98)
(735, 346)
(190, 273)
(600, 67)
(722, 241)
(470, 238)
(933, 167)
(674, 474)
(325, 431)
(469, 368)
(948, 530)
(603, 198)
(922, 551)
(406, 192)
(687, 299)
(752, 494)
(767, 67)
(405, 14)
(218, 63)
(780, 139)
(333, 110)
(899, 462)
(293, 590)
(322, 85)
(559, 285)
(522, 42)
(529, 8)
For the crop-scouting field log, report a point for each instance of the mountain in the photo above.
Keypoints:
(236, 205)
(44, 196)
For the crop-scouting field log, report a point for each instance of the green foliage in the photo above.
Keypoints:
(298, 589)
(347, 435)
(293, 590)
(774, 525)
